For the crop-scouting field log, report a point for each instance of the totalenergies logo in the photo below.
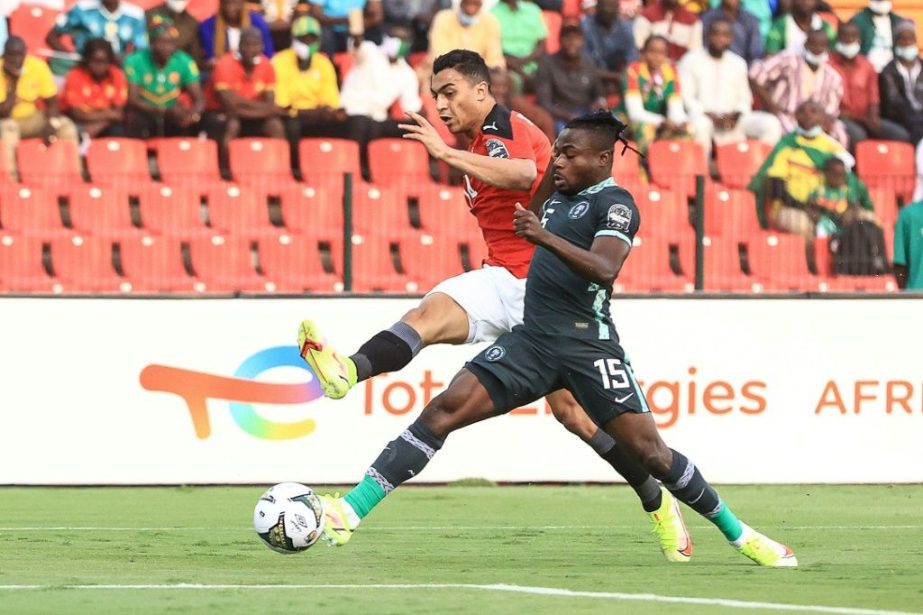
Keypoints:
(241, 390)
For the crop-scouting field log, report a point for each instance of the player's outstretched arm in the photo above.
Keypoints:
(503, 173)
(600, 264)
(544, 191)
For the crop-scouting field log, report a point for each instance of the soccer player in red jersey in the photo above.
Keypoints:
(504, 165)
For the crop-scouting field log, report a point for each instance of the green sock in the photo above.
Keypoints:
(365, 496)
(727, 522)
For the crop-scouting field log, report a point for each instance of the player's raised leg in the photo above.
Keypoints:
(662, 508)
(638, 434)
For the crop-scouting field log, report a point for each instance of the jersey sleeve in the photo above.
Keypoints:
(617, 215)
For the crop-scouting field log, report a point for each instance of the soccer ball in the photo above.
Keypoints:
(289, 517)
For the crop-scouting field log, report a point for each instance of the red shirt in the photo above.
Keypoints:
(860, 84)
(81, 91)
(506, 134)
(229, 75)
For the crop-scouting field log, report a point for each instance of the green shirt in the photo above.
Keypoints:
(908, 244)
(161, 86)
(777, 39)
(521, 29)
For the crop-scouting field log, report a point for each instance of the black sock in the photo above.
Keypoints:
(388, 351)
(641, 481)
(405, 456)
(689, 486)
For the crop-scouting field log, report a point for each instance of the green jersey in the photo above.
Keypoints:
(161, 86)
(908, 244)
(558, 301)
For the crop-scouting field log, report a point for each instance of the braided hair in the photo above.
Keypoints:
(606, 128)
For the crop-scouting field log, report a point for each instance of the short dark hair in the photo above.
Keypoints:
(97, 44)
(716, 21)
(655, 37)
(605, 127)
(466, 62)
(833, 161)
(569, 29)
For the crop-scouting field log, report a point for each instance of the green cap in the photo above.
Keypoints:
(305, 25)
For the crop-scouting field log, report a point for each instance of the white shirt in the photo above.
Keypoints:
(795, 37)
(375, 83)
(910, 76)
(714, 86)
(881, 51)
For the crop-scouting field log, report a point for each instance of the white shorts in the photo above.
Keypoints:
(492, 297)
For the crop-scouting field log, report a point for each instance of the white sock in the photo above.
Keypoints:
(746, 535)
(351, 515)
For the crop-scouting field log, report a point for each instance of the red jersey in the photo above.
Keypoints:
(506, 134)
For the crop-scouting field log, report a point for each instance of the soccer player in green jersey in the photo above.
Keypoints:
(567, 340)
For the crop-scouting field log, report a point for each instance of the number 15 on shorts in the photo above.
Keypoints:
(613, 374)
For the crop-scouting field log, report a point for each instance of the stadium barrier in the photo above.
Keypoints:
(171, 391)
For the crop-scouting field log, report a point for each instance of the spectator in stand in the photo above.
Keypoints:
(501, 88)
(566, 84)
(96, 91)
(25, 82)
(747, 42)
(164, 94)
(279, 15)
(783, 81)
(522, 36)
(793, 171)
(609, 42)
(418, 13)
(840, 200)
(651, 99)
(717, 94)
(901, 83)
(334, 17)
(876, 25)
(467, 27)
(908, 247)
(860, 110)
(120, 23)
(680, 27)
(763, 10)
(187, 26)
(221, 33)
(790, 31)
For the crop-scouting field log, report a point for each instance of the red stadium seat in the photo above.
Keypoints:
(294, 263)
(328, 159)
(626, 169)
(22, 268)
(118, 162)
(155, 264)
(664, 214)
(428, 261)
(54, 166)
(730, 214)
(739, 162)
(172, 211)
(240, 211)
(399, 163)
(310, 211)
(187, 161)
(101, 212)
(343, 62)
(84, 264)
(887, 164)
(553, 21)
(31, 212)
(675, 164)
(444, 212)
(884, 200)
(780, 262)
(264, 164)
(225, 264)
(32, 23)
(648, 269)
(722, 271)
(373, 267)
(379, 211)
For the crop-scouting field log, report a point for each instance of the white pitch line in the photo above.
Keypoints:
(497, 587)
(436, 528)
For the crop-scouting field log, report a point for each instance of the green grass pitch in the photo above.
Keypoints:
(860, 548)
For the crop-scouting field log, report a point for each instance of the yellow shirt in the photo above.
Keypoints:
(447, 34)
(34, 84)
(801, 174)
(303, 90)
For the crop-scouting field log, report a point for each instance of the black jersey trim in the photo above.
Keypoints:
(498, 123)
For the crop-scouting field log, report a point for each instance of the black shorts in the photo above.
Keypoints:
(523, 366)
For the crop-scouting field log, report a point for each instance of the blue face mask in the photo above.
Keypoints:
(910, 52)
(466, 19)
(809, 133)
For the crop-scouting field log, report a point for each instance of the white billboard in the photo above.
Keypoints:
(126, 391)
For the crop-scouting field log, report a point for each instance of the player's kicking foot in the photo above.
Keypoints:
(337, 527)
(337, 375)
(668, 525)
(764, 550)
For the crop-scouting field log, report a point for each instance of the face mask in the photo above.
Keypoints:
(177, 6)
(815, 60)
(880, 7)
(302, 50)
(911, 52)
(809, 133)
(466, 19)
(394, 47)
(849, 51)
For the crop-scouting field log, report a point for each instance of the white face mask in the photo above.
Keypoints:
(815, 60)
(302, 50)
(809, 133)
(910, 52)
(177, 6)
(880, 7)
(849, 51)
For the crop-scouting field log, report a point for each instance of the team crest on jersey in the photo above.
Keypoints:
(619, 217)
(578, 210)
(496, 149)
(495, 353)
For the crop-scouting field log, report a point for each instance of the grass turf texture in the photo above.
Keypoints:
(591, 538)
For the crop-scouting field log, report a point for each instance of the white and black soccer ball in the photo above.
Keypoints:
(289, 517)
